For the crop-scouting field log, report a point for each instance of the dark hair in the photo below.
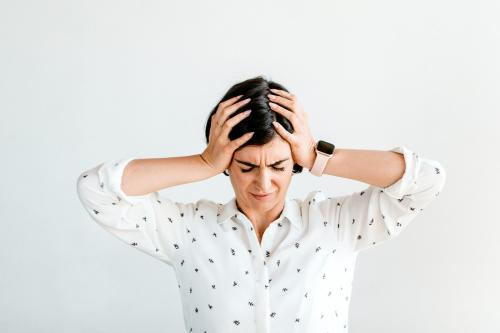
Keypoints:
(260, 120)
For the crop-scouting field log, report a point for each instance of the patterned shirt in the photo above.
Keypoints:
(297, 279)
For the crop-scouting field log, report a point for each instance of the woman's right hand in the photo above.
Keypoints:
(220, 149)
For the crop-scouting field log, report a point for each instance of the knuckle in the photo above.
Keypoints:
(229, 109)
(221, 143)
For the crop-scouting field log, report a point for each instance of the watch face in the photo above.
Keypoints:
(325, 147)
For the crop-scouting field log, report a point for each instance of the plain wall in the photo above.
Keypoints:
(82, 82)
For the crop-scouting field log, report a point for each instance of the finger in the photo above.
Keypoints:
(282, 100)
(229, 110)
(283, 132)
(241, 140)
(229, 101)
(224, 104)
(230, 123)
(283, 93)
(291, 116)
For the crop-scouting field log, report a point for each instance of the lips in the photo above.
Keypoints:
(262, 196)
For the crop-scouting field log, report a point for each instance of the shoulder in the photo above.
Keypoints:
(207, 205)
(311, 197)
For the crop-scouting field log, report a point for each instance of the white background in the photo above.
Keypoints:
(82, 82)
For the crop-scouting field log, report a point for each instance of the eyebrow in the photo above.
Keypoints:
(253, 165)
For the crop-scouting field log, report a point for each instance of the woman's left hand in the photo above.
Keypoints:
(301, 140)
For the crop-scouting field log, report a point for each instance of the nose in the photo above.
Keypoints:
(264, 181)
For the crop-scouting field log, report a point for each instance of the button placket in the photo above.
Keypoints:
(262, 311)
(262, 303)
(250, 233)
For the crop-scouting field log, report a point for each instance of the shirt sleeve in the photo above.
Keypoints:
(150, 223)
(371, 216)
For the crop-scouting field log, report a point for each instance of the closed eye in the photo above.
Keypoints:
(250, 169)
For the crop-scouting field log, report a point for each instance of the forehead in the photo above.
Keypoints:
(275, 149)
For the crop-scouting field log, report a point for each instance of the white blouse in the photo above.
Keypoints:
(298, 279)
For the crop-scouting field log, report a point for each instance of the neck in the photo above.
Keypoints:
(261, 219)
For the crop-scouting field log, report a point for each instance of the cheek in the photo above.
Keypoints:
(240, 179)
(285, 178)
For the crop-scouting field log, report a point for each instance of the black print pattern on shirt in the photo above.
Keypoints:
(280, 262)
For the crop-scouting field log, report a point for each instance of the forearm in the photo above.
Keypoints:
(374, 167)
(143, 176)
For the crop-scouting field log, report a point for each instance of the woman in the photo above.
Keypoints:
(261, 262)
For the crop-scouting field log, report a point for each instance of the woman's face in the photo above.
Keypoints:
(263, 178)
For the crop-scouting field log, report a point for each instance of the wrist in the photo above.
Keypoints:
(208, 166)
(312, 158)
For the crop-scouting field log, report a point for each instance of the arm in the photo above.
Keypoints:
(139, 216)
(142, 176)
(375, 167)
(378, 213)
(122, 195)
(401, 183)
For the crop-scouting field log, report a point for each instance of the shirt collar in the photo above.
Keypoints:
(291, 212)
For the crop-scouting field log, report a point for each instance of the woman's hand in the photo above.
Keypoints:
(220, 149)
(301, 140)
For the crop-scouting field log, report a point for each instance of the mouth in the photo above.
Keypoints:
(262, 196)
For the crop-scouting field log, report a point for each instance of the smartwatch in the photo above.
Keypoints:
(324, 150)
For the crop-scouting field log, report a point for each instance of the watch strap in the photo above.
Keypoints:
(324, 151)
(320, 163)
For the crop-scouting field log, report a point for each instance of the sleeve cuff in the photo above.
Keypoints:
(407, 182)
(110, 175)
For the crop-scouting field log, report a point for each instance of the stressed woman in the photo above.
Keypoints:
(261, 262)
